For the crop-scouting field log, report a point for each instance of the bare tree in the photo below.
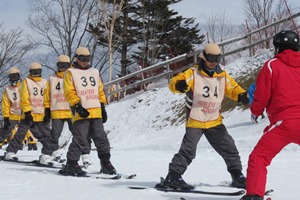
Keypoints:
(61, 24)
(219, 28)
(13, 49)
(111, 10)
(260, 13)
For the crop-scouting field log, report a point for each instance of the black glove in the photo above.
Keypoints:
(28, 117)
(104, 113)
(81, 111)
(6, 123)
(181, 86)
(47, 116)
(243, 98)
(254, 119)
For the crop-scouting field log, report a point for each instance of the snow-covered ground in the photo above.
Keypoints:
(145, 134)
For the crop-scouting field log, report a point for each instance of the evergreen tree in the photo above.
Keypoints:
(152, 30)
(126, 33)
(166, 33)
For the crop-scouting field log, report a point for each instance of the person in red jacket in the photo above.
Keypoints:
(277, 91)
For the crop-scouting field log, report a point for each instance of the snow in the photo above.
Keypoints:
(145, 132)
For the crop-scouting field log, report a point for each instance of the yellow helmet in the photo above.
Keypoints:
(82, 51)
(14, 76)
(212, 49)
(13, 70)
(212, 53)
(63, 63)
(63, 59)
(35, 65)
(35, 69)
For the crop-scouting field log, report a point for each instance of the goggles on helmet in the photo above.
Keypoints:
(63, 65)
(14, 76)
(84, 58)
(35, 72)
(212, 58)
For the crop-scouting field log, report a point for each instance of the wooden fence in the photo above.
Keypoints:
(168, 72)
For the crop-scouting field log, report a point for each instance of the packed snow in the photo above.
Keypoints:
(145, 131)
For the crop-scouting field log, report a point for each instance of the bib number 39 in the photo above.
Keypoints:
(85, 81)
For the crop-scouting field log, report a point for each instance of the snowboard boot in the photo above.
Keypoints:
(252, 197)
(175, 181)
(72, 169)
(34, 147)
(107, 168)
(10, 156)
(45, 159)
(30, 147)
(56, 155)
(86, 160)
(238, 179)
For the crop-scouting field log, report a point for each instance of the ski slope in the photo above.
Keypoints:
(145, 133)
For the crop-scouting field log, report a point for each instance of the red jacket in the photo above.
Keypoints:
(278, 87)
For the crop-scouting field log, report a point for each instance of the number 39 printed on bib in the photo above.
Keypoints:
(87, 86)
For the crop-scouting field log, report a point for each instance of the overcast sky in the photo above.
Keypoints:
(234, 9)
(14, 12)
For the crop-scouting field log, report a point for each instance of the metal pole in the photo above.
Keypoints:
(288, 9)
(168, 68)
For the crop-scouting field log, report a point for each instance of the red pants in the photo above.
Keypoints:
(275, 138)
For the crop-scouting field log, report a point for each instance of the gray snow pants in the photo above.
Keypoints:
(40, 130)
(80, 144)
(218, 138)
(6, 133)
(56, 130)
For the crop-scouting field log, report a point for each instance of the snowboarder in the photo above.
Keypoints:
(205, 86)
(84, 91)
(277, 91)
(32, 106)
(11, 111)
(57, 108)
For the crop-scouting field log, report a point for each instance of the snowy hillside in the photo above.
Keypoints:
(145, 133)
(249, 64)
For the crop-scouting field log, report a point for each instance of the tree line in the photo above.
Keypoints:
(120, 33)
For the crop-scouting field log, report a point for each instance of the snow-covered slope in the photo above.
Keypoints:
(145, 132)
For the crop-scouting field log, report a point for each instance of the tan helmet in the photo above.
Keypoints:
(82, 51)
(13, 70)
(63, 59)
(212, 49)
(35, 65)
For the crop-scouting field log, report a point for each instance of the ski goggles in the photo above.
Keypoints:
(212, 58)
(14, 76)
(84, 58)
(35, 72)
(63, 65)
